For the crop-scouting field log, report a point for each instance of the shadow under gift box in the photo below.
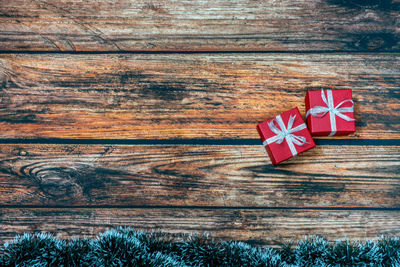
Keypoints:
(320, 124)
(279, 152)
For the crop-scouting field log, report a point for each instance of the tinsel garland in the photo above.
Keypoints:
(128, 247)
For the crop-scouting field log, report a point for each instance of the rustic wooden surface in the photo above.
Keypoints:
(256, 226)
(186, 96)
(143, 113)
(226, 176)
(185, 25)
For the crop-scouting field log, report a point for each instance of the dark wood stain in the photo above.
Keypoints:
(362, 4)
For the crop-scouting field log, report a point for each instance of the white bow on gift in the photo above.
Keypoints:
(286, 133)
(319, 111)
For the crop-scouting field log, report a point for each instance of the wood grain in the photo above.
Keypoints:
(165, 96)
(206, 25)
(254, 226)
(226, 176)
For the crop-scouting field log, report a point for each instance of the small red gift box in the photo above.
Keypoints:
(285, 136)
(330, 112)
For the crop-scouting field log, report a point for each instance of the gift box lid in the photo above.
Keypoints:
(321, 125)
(279, 152)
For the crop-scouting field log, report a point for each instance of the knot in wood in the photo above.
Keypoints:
(59, 182)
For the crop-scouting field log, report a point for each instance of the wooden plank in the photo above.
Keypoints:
(226, 176)
(255, 226)
(167, 96)
(62, 25)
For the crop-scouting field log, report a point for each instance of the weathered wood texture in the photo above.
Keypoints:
(229, 176)
(255, 226)
(216, 96)
(271, 25)
(186, 96)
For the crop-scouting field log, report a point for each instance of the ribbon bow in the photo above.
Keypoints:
(319, 111)
(286, 133)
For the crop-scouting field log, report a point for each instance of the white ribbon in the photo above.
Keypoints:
(286, 133)
(319, 111)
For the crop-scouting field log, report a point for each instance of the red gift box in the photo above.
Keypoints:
(330, 112)
(285, 136)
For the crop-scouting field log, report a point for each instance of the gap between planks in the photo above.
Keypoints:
(167, 52)
(283, 208)
(217, 142)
